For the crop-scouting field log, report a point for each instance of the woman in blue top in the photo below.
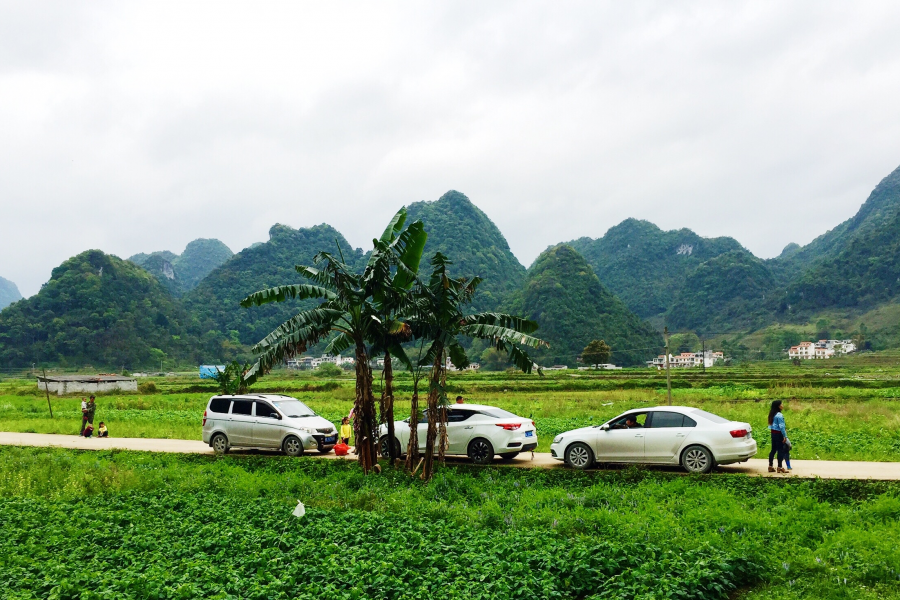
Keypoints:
(779, 434)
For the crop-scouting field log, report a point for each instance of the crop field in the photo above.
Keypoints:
(140, 525)
(841, 410)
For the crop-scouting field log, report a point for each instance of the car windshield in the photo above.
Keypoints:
(497, 413)
(709, 416)
(293, 408)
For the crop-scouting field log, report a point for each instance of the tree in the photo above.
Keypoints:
(230, 380)
(436, 316)
(596, 353)
(349, 316)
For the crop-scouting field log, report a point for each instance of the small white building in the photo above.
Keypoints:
(602, 366)
(309, 362)
(86, 384)
(822, 349)
(687, 360)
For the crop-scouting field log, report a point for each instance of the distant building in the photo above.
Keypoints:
(86, 384)
(472, 366)
(603, 366)
(309, 362)
(555, 368)
(209, 371)
(687, 360)
(822, 349)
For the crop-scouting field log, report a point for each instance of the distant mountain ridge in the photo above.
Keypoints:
(9, 293)
(181, 273)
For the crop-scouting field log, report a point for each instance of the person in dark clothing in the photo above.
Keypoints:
(91, 409)
(779, 434)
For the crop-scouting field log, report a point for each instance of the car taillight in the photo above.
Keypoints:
(738, 433)
(509, 426)
(204, 417)
(533, 424)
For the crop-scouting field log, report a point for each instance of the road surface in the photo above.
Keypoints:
(826, 469)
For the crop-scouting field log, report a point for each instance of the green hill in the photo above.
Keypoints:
(215, 303)
(9, 293)
(724, 293)
(463, 233)
(562, 293)
(181, 273)
(646, 266)
(96, 309)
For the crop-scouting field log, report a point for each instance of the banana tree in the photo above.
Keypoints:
(349, 315)
(436, 313)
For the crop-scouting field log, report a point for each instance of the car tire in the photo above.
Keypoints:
(219, 443)
(324, 451)
(383, 447)
(292, 446)
(509, 455)
(580, 456)
(481, 451)
(697, 459)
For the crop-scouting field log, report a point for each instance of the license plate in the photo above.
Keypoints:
(529, 434)
(329, 440)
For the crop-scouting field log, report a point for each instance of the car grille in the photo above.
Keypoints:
(326, 430)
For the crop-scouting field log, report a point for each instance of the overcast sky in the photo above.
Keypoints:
(139, 127)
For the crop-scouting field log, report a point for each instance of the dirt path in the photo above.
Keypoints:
(802, 468)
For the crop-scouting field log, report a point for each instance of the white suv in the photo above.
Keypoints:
(266, 421)
(473, 430)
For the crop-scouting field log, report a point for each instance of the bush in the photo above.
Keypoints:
(328, 370)
(148, 387)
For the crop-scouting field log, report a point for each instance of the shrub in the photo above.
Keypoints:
(328, 370)
(148, 387)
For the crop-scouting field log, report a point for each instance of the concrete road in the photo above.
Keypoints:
(826, 469)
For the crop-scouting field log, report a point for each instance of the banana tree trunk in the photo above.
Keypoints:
(433, 394)
(387, 407)
(412, 450)
(442, 420)
(365, 422)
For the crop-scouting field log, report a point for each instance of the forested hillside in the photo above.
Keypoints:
(562, 293)
(96, 309)
(215, 303)
(462, 232)
(9, 293)
(645, 266)
(181, 273)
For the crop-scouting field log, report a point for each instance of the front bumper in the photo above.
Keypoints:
(556, 451)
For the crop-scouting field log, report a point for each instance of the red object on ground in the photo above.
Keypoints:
(341, 449)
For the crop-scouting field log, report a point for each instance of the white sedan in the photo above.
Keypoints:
(473, 430)
(663, 435)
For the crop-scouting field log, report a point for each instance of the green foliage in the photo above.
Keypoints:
(563, 295)
(492, 359)
(96, 309)
(595, 353)
(9, 293)
(328, 370)
(645, 266)
(464, 234)
(723, 293)
(230, 380)
(180, 274)
(147, 387)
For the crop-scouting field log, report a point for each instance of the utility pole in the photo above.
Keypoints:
(47, 389)
(668, 379)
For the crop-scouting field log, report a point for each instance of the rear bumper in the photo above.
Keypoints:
(738, 452)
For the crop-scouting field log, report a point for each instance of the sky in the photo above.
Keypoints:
(134, 127)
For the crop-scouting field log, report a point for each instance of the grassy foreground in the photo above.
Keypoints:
(139, 525)
(837, 411)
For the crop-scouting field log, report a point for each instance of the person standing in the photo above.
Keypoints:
(459, 400)
(778, 432)
(84, 417)
(91, 409)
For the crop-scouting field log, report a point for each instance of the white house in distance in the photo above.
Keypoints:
(821, 349)
(687, 360)
(86, 384)
(309, 362)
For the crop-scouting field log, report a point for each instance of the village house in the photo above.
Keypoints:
(822, 349)
(687, 360)
(309, 362)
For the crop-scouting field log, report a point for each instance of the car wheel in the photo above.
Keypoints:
(697, 459)
(509, 455)
(324, 451)
(480, 451)
(292, 446)
(383, 447)
(219, 443)
(579, 456)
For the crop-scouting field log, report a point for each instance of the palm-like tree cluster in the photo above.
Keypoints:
(376, 312)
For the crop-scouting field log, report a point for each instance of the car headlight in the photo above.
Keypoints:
(557, 439)
(306, 429)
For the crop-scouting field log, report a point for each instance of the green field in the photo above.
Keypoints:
(140, 525)
(841, 410)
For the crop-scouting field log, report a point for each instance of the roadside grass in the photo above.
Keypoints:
(132, 524)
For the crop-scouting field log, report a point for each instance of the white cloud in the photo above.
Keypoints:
(141, 127)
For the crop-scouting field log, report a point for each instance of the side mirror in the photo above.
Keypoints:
(605, 427)
(275, 416)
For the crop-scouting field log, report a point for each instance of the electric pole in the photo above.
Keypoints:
(668, 379)
(47, 389)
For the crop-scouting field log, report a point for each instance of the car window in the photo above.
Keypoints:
(640, 420)
(689, 422)
(497, 413)
(456, 415)
(423, 418)
(241, 407)
(662, 419)
(264, 410)
(219, 405)
(709, 416)
(293, 408)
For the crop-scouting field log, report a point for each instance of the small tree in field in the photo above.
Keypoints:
(596, 353)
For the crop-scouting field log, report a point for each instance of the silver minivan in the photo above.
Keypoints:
(266, 421)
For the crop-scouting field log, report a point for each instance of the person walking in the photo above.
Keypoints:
(84, 417)
(91, 409)
(779, 435)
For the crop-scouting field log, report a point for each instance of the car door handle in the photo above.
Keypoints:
(679, 435)
(638, 435)
(468, 427)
